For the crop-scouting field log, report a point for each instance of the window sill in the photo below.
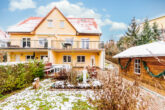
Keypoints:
(137, 74)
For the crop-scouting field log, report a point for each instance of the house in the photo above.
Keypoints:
(160, 21)
(3, 43)
(145, 62)
(74, 41)
(3, 38)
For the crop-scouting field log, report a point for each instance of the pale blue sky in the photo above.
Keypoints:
(113, 16)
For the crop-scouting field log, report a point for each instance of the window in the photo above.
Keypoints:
(137, 66)
(3, 44)
(43, 56)
(80, 58)
(66, 58)
(61, 24)
(26, 42)
(85, 43)
(43, 42)
(29, 57)
(50, 23)
(69, 40)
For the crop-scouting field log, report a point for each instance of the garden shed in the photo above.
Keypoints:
(146, 62)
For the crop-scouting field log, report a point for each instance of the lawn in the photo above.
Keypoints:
(45, 99)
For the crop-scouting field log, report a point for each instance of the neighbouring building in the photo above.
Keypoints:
(4, 38)
(145, 62)
(74, 41)
(160, 21)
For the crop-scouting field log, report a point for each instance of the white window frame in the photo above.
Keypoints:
(137, 69)
(81, 59)
(30, 57)
(50, 22)
(67, 56)
(85, 43)
(26, 42)
(62, 24)
(43, 56)
(42, 41)
(69, 40)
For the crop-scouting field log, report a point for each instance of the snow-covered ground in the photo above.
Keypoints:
(45, 99)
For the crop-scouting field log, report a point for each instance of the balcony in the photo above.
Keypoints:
(54, 44)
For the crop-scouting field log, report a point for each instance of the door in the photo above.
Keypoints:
(85, 43)
(17, 58)
(92, 60)
(26, 42)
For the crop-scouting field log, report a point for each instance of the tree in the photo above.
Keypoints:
(156, 32)
(132, 32)
(146, 34)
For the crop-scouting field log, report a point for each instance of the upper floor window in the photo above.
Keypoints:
(50, 23)
(80, 58)
(85, 43)
(26, 42)
(69, 40)
(43, 42)
(137, 66)
(61, 24)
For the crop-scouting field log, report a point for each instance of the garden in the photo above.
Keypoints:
(87, 89)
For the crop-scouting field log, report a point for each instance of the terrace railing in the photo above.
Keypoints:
(61, 44)
(54, 44)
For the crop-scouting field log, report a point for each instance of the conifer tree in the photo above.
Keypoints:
(156, 32)
(132, 32)
(146, 34)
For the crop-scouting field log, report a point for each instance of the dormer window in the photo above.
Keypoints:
(50, 23)
(61, 24)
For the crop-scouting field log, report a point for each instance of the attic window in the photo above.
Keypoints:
(61, 24)
(137, 66)
(50, 23)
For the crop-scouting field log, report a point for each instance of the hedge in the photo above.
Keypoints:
(14, 77)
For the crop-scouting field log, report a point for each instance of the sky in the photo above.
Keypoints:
(113, 16)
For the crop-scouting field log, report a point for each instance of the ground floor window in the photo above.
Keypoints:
(43, 56)
(80, 58)
(66, 58)
(137, 66)
(29, 57)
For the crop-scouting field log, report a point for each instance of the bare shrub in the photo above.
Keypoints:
(117, 94)
(72, 76)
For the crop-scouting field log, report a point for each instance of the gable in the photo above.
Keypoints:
(56, 17)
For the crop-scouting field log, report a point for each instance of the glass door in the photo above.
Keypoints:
(26, 42)
(85, 43)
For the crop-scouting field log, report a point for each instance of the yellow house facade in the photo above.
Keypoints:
(160, 21)
(74, 41)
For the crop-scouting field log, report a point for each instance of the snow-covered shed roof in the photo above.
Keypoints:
(3, 36)
(146, 50)
(82, 25)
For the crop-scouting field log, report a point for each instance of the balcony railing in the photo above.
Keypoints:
(55, 44)
(60, 44)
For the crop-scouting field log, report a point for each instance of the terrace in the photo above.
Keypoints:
(27, 43)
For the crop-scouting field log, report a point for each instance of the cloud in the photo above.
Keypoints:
(118, 26)
(21, 4)
(79, 10)
(119, 35)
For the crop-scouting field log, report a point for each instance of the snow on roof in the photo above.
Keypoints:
(85, 25)
(82, 25)
(27, 25)
(146, 50)
(3, 36)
